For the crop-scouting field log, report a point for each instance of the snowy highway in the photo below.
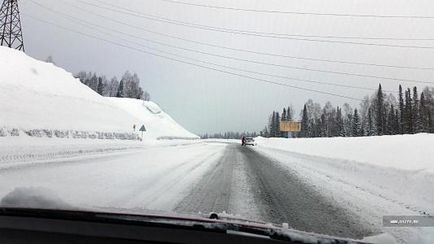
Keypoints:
(247, 183)
(190, 178)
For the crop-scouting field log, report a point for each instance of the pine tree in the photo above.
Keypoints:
(339, 122)
(323, 126)
(380, 112)
(304, 123)
(100, 87)
(363, 111)
(272, 126)
(120, 89)
(289, 114)
(396, 124)
(284, 118)
(430, 122)
(401, 111)
(391, 120)
(371, 126)
(416, 112)
(408, 119)
(423, 113)
(277, 125)
(348, 120)
(356, 123)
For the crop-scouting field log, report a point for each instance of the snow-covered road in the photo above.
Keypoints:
(151, 178)
(308, 193)
(247, 183)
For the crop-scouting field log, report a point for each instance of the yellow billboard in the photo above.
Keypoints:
(290, 126)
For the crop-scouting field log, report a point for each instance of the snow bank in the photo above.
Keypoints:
(157, 123)
(42, 100)
(405, 152)
(33, 197)
(369, 176)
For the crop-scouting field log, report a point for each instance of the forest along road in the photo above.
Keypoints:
(250, 185)
(198, 177)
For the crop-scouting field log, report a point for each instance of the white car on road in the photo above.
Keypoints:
(249, 141)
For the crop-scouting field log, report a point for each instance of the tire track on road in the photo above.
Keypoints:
(283, 198)
(212, 193)
(270, 193)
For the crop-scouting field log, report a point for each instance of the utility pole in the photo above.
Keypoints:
(11, 34)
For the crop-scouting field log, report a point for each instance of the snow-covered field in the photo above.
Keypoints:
(370, 176)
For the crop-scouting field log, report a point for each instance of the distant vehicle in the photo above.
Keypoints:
(249, 141)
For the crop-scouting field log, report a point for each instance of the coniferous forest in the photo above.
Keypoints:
(407, 112)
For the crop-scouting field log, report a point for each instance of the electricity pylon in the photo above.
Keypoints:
(11, 34)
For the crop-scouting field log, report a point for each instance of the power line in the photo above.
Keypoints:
(92, 26)
(247, 50)
(265, 33)
(248, 60)
(300, 13)
(127, 11)
(190, 63)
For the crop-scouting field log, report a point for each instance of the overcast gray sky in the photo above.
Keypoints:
(204, 100)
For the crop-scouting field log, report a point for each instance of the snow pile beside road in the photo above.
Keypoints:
(33, 197)
(370, 176)
(405, 152)
(41, 100)
(158, 124)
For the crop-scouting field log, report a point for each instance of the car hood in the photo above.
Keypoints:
(42, 204)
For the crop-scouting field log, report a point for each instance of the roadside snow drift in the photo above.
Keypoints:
(404, 152)
(370, 176)
(42, 100)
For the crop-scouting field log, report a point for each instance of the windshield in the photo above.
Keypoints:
(312, 115)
